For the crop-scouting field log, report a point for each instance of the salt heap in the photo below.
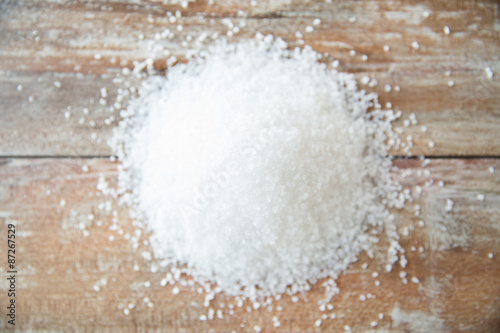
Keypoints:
(257, 168)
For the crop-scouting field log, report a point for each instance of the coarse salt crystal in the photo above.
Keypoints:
(488, 72)
(449, 205)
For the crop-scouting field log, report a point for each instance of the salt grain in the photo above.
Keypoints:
(446, 30)
(488, 72)
(449, 205)
(415, 45)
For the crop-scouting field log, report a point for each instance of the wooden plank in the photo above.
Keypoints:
(45, 120)
(58, 266)
(462, 120)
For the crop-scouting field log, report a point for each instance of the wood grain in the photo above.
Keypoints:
(461, 120)
(58, 266)
(73, 239)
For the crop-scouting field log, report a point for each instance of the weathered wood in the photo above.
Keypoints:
(67, 37)
(58, 266)
(68, 248)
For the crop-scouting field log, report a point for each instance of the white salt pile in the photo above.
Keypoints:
(257, 168)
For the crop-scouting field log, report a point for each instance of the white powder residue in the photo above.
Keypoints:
(416, 321)
(257, 168)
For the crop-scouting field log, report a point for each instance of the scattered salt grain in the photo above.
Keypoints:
(488, 72)
(491, 169)
(480, 197)
(490, 255)
(257, 328)
(373, 324)
(386, 48)
(451, 83)
(57, 84)
(62, 203)
(415, 280)
(415, 45)
(175, 290)
(449, 205)
(317, 21)
(318, 323)
(309, 29)
(446, 30)
(126, 311)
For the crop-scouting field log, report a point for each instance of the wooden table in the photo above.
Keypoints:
(72, 241)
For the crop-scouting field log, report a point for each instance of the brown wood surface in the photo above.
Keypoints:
(42, 154)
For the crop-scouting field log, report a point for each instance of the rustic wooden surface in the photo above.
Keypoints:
(63, 255)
